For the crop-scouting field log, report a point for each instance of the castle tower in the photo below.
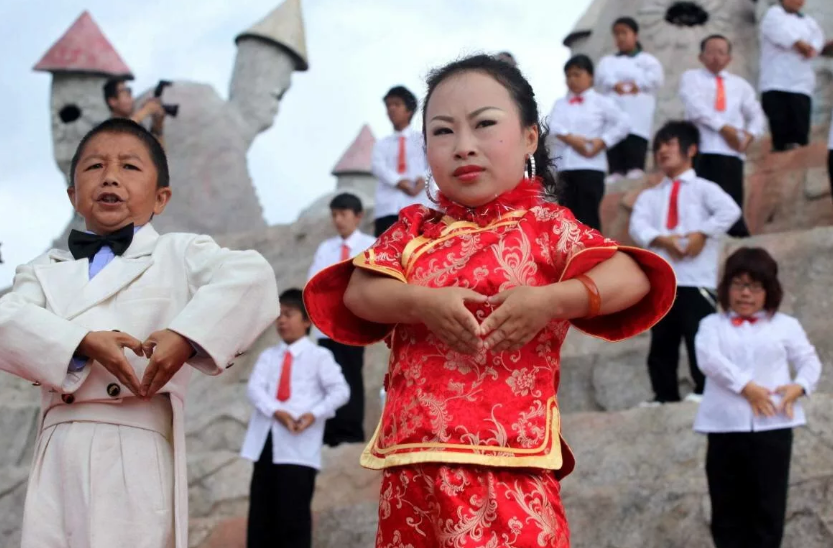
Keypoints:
(80, 62)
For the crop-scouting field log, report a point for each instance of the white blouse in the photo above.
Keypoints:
(731, 356)
(646, 73)
(782, 67)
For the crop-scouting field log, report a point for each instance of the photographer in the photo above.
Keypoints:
(119, 99)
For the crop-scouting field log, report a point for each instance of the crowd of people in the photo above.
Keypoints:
(487, 249)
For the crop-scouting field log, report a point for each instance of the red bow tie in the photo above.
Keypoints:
(577, 100)
(737, 321)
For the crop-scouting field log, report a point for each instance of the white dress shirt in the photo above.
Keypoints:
(329, 253)
(385, 161)
(830, 137)
(782, 67)
(645, 72)
(702, 206)
(595, 117)
(317, 386)
(698, 92)
(731, 356)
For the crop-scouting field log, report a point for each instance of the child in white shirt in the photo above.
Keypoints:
(750, 404)
(584, 124)
(632, 78)
(294, 388)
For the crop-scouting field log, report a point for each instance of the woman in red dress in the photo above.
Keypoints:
(475, 299)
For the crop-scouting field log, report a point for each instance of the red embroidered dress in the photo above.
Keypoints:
(492, 409)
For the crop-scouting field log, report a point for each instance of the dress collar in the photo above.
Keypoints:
(527, 194)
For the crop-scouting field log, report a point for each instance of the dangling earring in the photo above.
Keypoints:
(526, 169)
(531, 166)
(428, 182)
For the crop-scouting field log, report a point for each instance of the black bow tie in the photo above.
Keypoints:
(84, 246)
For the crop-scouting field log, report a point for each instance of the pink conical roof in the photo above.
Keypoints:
(84, 48)
(357, 158)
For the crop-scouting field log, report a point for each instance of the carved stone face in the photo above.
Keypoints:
(262, 73)
(77, 105)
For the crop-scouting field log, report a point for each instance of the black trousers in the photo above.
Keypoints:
(830, 168)
(348, 424)
(681, 323)
(280, 513)
(748, 475)
(628, 154)
(582, 192)
(727, 172)
(789, 118)
(383, 223)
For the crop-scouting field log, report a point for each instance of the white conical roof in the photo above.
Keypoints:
(284, 27)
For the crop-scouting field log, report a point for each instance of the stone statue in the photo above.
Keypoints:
(208, 140)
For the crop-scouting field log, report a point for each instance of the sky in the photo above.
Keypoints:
(357, 49)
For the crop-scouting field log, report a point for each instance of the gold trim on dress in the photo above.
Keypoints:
(370, 264)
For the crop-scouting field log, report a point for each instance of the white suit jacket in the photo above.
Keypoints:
(217, 298)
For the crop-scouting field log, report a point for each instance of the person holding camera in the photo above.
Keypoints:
(119, 99)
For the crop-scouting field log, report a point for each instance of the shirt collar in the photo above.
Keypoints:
(686, 177)
(760, 315)
(584, 94)
(351, 240)
(297, 348)
(722, 74)
(135, 230)
(405, 132)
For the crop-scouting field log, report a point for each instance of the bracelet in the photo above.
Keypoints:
(592, 294)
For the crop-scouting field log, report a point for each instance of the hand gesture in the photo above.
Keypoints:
(758, 398)
(789, 393)
(444, 312)
(730, 135)
(805, 49)
(167, 352)
(745, 140)
(286, 419)
(696, 243)
(671, 244)
(622, 88)
(107, 348)
(577, 143)
(522, 312)
(406, 186)
(594, 147)
(304, 422)
(419, 187)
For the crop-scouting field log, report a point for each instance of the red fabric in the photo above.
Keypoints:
(284, 391)
(401, 162)
(345, 252)
(674, 206)
(440, 506)
(577, 100)
(528, 194)
(738, 321)
(720, 96)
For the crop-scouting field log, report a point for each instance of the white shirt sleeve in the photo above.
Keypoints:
(556, 120)
(712, 362)
(379, 169)
(651, 78)
(752, 112)
(640, 228)
(617, 124)
(605, 82)
(723, 211)
(318, 262)
(258, 389)
(775, 29)
(336, 389)
(803, 357)
(696, 108)
(817, 36)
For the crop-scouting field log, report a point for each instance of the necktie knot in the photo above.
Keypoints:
(83, 245)
(738, 321)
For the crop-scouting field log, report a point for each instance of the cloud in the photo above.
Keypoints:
(357, 50)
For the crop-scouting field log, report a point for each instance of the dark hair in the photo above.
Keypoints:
(759, 265)
(628, 22)
(522, 94)
(111, 89)
(125, 126)
(580, 61)
(345, 200)
(684, 131)
(405, 94)
(711, 37)
(294, 298)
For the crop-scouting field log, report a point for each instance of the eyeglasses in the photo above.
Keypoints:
(753, 287)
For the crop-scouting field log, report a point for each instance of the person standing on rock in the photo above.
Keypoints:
(727, 113)
(398, 161)
(119, 99)
(682, 219)
(583, 125)
(109, 465)
(476, 299)
(631, 78)
(790, 40)
(294, 388)
(750, 405)
(347, 213)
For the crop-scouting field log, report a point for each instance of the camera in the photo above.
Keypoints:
(170, 110)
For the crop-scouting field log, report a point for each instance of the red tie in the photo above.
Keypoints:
(401, 164)
(286, 372)
(720, 97)
(577, 100)
(345, 252)
(673, 210)
(738, 321)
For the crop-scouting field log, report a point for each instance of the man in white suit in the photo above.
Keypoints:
(109, 466)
